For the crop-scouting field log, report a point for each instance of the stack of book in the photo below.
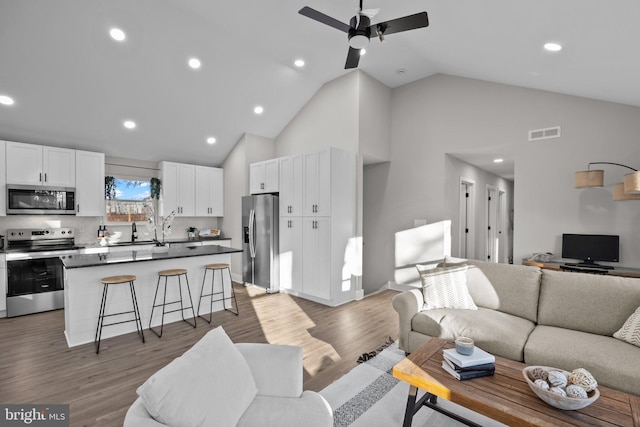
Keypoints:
(479, 364)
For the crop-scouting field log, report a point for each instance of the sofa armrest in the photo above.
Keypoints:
(407, 304)
(137, 416)
(277, 369)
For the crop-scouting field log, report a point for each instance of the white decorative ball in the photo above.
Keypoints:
(558, 390)
(557, 379)
(583, 378)
(542, 384)
(576, 392)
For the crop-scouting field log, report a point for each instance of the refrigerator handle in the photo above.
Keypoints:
(252, 230)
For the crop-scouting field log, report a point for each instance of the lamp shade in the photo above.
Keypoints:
(632, 183)
(619, 194)
(590, 178)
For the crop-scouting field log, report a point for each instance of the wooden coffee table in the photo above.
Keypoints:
(504, 397)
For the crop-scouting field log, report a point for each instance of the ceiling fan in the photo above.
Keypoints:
(360, 28)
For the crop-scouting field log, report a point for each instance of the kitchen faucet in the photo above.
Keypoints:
(134, 232)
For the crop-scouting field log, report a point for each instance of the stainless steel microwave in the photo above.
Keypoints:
(39, 200)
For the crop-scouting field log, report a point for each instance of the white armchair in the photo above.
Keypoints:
(189, 396)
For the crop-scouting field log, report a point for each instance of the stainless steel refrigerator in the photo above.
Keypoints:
(260, 229)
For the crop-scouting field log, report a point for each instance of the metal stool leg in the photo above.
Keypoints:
(103, 304)
(136, 310)
(186, 278)
(233, 292)
(204, 279)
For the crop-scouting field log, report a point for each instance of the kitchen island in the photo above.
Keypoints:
(83, 290)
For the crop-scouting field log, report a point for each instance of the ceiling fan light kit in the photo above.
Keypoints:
(360, 28)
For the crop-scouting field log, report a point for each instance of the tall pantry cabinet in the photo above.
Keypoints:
(317, 224)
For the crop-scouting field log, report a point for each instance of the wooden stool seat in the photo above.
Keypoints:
(135, 311)
(172, 272)
(218, 296)
(113, 280)
(216, 266)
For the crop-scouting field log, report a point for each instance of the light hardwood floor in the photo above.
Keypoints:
(36, 366)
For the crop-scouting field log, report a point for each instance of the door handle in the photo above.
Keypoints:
(252, 219)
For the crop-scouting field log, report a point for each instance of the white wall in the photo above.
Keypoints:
(330, 118)
(444, 114)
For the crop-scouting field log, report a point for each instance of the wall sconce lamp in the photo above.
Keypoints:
(627, 190)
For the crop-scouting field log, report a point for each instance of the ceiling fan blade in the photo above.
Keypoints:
(353, 58)
(324, 19)
(406, 23)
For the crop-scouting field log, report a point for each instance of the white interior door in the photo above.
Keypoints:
(492, 224)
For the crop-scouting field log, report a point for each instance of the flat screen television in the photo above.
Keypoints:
(590, 248)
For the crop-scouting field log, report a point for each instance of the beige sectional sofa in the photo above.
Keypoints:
(539, 317)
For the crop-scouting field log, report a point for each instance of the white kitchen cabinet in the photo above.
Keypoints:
(319, 263)
(291, 185)
(317, 183)
(209, 198)
(90, 184)
(178, 188)
(291, 254)
(316, 257)
(3, 285)
(264, 176)
(30, 164)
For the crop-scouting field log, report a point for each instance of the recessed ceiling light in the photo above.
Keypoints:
(211, 140)
(553, 47)
(299, 63)
(498, 160)
(117, 34)
(6, 100)
(129, 124)
(258, 110)
(363, 52)
(194, 63)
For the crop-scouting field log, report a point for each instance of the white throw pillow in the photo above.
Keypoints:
(446, 287)
(211, 384)
(630, 331)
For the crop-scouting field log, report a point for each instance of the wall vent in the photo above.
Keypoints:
(537, 134)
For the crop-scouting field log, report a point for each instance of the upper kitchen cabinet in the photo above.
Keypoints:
(264, 176)
(89, 184)
(317, 182)
(30, 164)
(209, 191)
(291, 181)
(178, 188)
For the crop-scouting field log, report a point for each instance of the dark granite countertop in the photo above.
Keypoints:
(101, 259)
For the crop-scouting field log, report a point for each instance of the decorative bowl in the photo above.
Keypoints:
(556, 400)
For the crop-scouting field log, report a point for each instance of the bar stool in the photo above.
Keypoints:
(116, 280)
(213, 268)
(177, 272)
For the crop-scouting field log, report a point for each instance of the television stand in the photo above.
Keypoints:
(589, 265)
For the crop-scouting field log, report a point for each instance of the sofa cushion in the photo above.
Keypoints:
(612, 362)
(630, 331)
(512, 289)
(209, 384)
(498, 333)
(598, 304)
(445, 287)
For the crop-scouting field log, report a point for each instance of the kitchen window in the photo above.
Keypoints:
(125, 199)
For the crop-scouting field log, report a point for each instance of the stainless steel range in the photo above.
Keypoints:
(35, 276)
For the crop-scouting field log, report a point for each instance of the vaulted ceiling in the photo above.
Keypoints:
(73, 85)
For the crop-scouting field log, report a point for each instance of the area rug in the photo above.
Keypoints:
(369, 396)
